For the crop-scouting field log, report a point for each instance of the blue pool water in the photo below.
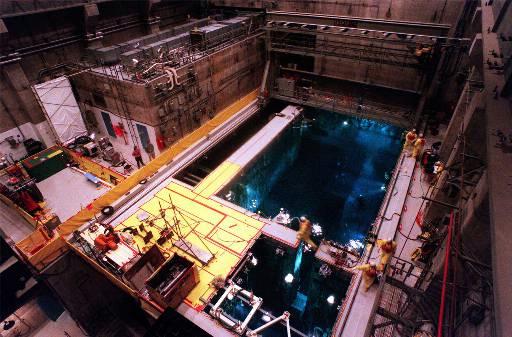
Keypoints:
(304, 297)
(329, 167)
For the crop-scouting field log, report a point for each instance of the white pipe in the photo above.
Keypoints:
(227, 321)
(284, 317)
(169, 74)
(255, 307)
(154, 65)
(221, 299)
(175, 76)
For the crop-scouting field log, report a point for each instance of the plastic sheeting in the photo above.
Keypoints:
(164, 158)
(59, 104)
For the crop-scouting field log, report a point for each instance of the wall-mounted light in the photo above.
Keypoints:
(288, 278)
(330, 299)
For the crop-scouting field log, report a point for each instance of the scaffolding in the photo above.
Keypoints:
(412, 300)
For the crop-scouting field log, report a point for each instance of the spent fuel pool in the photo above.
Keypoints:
(333, 169)
(329, 167)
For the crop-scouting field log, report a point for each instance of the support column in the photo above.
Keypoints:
(91, 16)
(17, 79)
(4, 35)
(152, 22)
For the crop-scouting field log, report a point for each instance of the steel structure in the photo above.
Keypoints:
(348, 106)
(410, 291)
(407, 27)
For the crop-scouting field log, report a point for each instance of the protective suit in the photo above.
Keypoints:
(369, 274)
(387, 249)
(304, 232)
(410, 138)
(418, 146)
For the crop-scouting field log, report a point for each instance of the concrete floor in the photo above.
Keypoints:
(12, 224)
(68, 191)
(31, 321)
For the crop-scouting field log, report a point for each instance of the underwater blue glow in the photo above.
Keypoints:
(332, 168)
(298, 260)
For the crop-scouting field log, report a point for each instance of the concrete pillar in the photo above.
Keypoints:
(91, 17)
(4, 34)
(152, 22)
(17, 79)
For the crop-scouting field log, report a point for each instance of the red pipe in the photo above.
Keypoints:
(445, 277)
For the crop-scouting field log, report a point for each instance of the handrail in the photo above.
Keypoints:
(445, 276)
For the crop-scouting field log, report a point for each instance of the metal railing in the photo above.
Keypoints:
(347, 104)
(401, 284)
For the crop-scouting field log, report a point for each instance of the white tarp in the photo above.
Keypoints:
(58, 101)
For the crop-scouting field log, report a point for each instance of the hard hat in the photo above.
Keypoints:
(389, 239)
(303, 218)
(373, 264)
(421, 135)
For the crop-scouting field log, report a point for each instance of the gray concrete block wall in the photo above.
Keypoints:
(438, 11)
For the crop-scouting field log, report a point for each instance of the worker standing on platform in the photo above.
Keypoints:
(418, 146)
(137, 156)
(387, 249)
(304, 232)
(410, 138)
(369, 274)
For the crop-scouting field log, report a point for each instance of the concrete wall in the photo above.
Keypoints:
(222, 78)
(370, 72)
(438, 11)
(125, 147)
(52, 37)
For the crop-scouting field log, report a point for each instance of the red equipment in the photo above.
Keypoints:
(107, 241)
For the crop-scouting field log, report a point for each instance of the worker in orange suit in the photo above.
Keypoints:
(387, 249)
(369, 274)
(410, 138)
(418, 146)
(304, 232)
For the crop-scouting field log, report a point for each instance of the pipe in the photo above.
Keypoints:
(445, 277)
(175, 76)
(171, 81)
